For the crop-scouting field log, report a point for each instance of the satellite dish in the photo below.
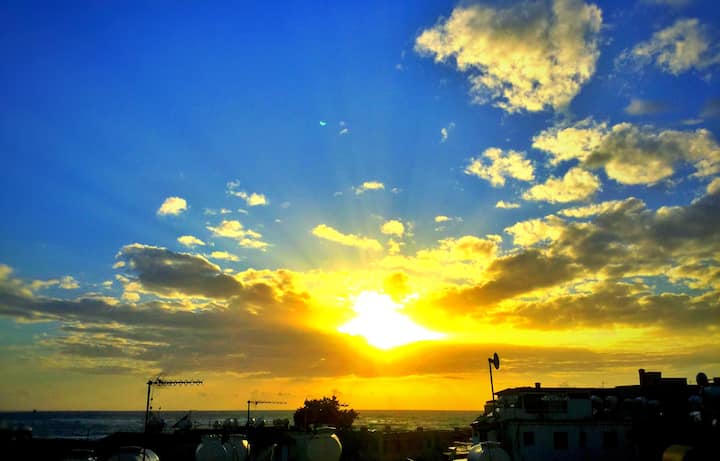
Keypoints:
(496, 361)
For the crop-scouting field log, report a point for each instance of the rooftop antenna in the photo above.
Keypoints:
(256, 404)
(493, 361)
(159, 382)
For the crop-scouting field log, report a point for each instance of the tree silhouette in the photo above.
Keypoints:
(325, 411)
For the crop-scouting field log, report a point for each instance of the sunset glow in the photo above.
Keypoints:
(363, 199)
(382, 326)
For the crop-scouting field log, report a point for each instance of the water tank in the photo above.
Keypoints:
(211, 449)
(237, 447)
(324, 447)
(133, 454)
(487, 451)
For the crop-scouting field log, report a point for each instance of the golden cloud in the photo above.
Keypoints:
(632, 154)
(234, 229)
(577, 184)
(524, 57)
(677, 48)
(501, 164)
(369, 185)
(393, 227)
(172, 206)
(190, 241)
(326, 232)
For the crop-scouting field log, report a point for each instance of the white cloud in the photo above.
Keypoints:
(631, 154)
(252, 199)
(524, 57)
(224, 255)
(533, 231)
(714, 186)
(172, 206)
(501, 165)
(595, 209)
(233, 229)
(326, 232)
(369, 185)
(190, 241)
(644, 107)
(67, 282)
(577, 184)
(442, 218)
(570, 142)
(445, 131)
(393, 227)
(506, 205)
(677, 49)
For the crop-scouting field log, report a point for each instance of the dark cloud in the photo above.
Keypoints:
(615, 302)
(167, 272)
(511, 276)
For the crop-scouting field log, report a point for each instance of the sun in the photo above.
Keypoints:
(382, 326)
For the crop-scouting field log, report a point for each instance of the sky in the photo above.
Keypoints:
(364, 199)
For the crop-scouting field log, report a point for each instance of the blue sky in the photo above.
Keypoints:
(324, 150)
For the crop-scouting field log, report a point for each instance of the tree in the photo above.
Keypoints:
(325, 411)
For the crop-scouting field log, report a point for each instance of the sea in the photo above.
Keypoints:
(98, 424)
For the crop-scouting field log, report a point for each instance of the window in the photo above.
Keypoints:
(583, 439)
(610, 440)
(560, 440)
(528, 439)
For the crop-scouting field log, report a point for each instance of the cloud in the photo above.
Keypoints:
(445, 131)
(501, 165)
(711, 108)
(714, 186)
(631, 154)
(676, 49)
(67, 282)
(234, 229)
(511, 276)
(524, 57)
(612, 206)
(190, 241)
(326, 232)
(570, 142)
(172, 206)
(224, 255)
(534, 231)
(672, 3)
(442, 218)
(369, 185)
(577, 184)
(393, 227)
(252, 199)
(613, 302)
(506, 205)
(162, 271)
(645, 107)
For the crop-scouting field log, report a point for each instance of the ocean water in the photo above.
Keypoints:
(97, 424)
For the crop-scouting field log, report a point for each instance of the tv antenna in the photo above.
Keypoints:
(256, 404)
(160, 382)
(493, 361)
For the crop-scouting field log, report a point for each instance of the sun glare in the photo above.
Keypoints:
(382, 326)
